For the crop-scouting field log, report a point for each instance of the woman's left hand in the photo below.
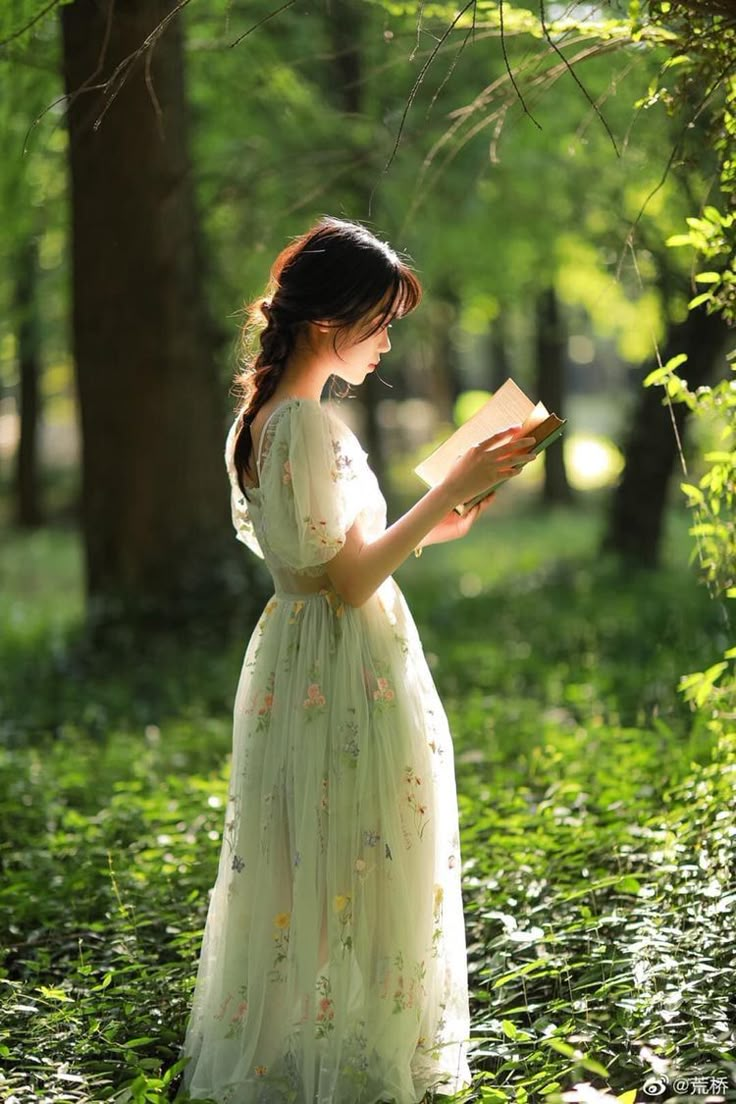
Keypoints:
(452, 526)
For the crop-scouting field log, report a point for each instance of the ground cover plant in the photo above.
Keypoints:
(597, 820)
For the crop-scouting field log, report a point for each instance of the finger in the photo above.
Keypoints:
(503, 433)
(512, 446)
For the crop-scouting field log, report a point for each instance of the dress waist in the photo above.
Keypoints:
(301, 596)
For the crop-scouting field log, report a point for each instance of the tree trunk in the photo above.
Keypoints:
(550, 357)
(27, 505)
(636, 512)
(346, 28)
(500, 366)
(155, 509)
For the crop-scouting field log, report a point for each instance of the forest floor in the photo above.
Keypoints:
(597, 821)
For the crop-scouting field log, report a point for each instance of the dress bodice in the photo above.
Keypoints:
(308, 455)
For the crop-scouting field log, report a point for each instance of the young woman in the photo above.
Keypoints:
(333, 964)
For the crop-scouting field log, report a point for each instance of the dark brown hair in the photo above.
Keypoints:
(339, 273)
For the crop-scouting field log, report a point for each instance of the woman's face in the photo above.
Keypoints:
(359, 356)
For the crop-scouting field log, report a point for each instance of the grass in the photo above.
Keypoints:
(597, 817)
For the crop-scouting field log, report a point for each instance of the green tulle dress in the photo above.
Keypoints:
(333, 964)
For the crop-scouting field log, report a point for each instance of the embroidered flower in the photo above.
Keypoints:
(370, 838)
(238, 864)
(315, 697)
(261, 1071)
(384, 691)
(340, 902)
(360, 865)
(281, 919)
(286, 477)
(296, 609)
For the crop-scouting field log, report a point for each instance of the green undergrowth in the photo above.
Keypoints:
(597, 821)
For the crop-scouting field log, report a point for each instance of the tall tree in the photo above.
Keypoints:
(27, 325)
(156, 530)
(550, 365)
(634, 526)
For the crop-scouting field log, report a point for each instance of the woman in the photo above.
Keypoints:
(333, 964)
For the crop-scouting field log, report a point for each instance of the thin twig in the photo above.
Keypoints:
(31, 23)
(509, 69)
(575, 77)
(260, 22)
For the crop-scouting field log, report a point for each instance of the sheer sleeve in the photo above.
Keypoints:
(310, 482)
(242, 521)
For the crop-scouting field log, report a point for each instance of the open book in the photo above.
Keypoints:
(506, 407)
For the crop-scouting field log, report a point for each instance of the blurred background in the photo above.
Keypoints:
(556, 177)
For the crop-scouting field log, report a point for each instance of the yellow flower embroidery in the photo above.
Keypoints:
(261, 1071)
(340, 902)
(296, 608)
(281, 919)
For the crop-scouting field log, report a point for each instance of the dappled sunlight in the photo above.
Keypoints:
(592, 462)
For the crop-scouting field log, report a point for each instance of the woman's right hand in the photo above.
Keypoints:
(479, 467)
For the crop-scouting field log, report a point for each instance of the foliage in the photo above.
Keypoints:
(706, 48)
(571, 827)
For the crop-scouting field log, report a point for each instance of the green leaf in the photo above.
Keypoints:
(704, 297)
(657, 376)
(694, 493)
(708, 278)
(559, 1045)
(679, 239)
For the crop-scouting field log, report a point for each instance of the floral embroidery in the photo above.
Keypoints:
(315, 701)
(238, 864)
(343, 907)
(286, 477)
(351, 747)
(261, 1071)
(323, 802)
(334, 600)
(384, 690)
(236, 1021)
(281, 938)
(370, 838)
(380, 691)
(417, 806)
(406, 992)
(326, 1012)
(296, 609)
(319, 531)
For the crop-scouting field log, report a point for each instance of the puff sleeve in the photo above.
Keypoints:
(242, 521)
(310, 479)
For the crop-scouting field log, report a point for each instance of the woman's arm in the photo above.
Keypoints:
(360, 567)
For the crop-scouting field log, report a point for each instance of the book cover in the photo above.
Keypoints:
(506, 407)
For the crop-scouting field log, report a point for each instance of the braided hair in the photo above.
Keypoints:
(338, 272)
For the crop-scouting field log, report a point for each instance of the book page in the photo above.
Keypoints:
(508, 406)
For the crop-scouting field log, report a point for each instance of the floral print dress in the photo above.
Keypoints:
(333, 964)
